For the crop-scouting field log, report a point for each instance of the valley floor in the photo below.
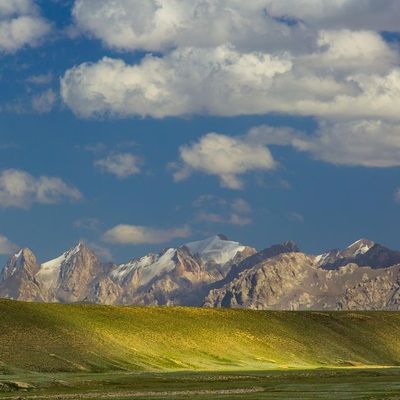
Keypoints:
(346, 383)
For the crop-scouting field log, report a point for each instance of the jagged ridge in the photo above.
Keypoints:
(215, 272)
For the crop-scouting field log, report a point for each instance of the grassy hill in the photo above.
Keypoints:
(93, 338)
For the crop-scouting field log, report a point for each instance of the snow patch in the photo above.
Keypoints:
(18, 254)
(147, 267)
(361, 246)
(50, 270)
(214, 248)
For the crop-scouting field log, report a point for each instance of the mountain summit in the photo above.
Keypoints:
(215, 272)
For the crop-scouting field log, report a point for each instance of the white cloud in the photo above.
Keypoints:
(134, 234)
(335, 82)
(20, 25)
(396, 196)
(325, 59)
(20, 189)
(225, 157)
(217, 81)
(15, 7)
(216, 210)
(161, 25)
(257, 24)
(367, 14)
(7, 247)
(368, 143)
(343, 52)
(41, 79)
(122, 165)
(365, 142)
(241, 206)
(43, 103)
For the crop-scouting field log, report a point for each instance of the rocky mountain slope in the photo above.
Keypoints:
(215, 272)
(176, 276)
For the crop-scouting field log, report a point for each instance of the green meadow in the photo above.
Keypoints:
(47, 349)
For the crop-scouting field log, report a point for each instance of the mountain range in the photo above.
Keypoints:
(214, 272)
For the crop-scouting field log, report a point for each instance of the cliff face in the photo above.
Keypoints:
(293, 281)
(18, 278)
(176, 276)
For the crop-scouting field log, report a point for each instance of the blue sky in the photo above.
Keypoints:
(137, 125)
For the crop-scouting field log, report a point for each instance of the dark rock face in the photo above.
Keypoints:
(292, 281)
(378, 257)
(374, 256)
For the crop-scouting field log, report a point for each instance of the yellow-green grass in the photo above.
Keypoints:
(93, 338)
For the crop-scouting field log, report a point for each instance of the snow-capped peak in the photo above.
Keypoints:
(149, 266)
(361, 246)
(12, 266)
(215, 248)
(50, 270)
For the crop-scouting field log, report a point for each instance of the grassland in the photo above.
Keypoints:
(42, 337)
(56, 351)
(332, 384)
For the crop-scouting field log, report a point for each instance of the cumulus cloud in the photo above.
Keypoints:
(161, 25)
(337, 81)
(343, 52)
(20, 189)
(225, 157)
(325, 59)
(20, 25)
(365, 142)
(122, 165)
(368, 143)
(186, 81)
(263, 24)
(7, 247)
(368, 14)
(135, 234)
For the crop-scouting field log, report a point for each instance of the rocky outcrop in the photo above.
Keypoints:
(294, 281)
(18, 278)
(179, 276)
(364, 253)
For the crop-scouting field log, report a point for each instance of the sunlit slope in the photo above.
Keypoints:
(57, 337)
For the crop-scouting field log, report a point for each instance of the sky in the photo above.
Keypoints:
(137, 125)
